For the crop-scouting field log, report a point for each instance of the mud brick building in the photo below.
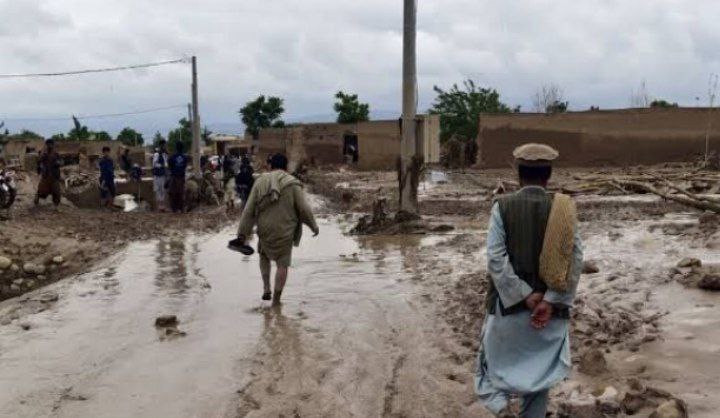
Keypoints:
(377, 143)
(602, 137)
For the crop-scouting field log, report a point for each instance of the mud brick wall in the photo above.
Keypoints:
(378, 145)
(601, 138)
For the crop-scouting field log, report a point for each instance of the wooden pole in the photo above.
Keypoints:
(409, 167)
(195, 121)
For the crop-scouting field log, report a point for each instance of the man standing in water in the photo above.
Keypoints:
(278, 207)
(524, 347)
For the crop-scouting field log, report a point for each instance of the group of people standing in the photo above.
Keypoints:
(169, 177)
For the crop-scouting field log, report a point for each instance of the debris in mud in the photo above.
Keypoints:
(590, 267)
(380, 222)
(443, 228)
(167, 327)
(166, 321)
(171, 333)
(593, 362)
(689, 262)
(674, 408)
(710, 282)
(25, 326)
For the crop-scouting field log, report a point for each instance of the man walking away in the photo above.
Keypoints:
(278, 207)
(107, 178)
(49, 170)
(178, 167)
(159, 171)
(244, 180)
(534, 262)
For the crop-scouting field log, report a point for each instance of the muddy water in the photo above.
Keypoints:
(683, 360)
(350, 338)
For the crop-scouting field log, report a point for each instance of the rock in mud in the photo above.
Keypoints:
(32, 268)
(5, 263)
(593, 362)
(710, 282)
(689, 262)
(58, 259)
(25, 326)
(15, 268)
(673, 408)
(590, 267)
(633, 402)
(166, 321)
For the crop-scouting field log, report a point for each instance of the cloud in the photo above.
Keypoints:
(304, 51)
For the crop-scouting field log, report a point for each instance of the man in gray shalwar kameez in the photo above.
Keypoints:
(524, 347)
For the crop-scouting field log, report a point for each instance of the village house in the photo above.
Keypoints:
(373, 145)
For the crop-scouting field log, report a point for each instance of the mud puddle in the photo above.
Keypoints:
(350, 339)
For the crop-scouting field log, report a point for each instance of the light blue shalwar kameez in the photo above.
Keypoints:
(515, 358)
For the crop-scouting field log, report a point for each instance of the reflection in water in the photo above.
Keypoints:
(282, 336)
(172, 271)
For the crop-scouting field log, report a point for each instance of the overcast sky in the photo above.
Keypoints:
(306, 50)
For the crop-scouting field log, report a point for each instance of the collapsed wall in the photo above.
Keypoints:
(601, 138)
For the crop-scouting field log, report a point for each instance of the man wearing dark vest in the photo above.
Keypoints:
(524, 347)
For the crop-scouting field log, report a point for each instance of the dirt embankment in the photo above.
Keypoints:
(633, 243)
(39, 245)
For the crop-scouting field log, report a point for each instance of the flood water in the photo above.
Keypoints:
(97, 353)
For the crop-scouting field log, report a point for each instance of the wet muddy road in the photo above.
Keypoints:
(353, 337)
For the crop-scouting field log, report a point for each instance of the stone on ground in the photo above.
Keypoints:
(710, 282)
(590, 267)
(166, 321)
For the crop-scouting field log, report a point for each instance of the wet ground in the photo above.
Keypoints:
(351, 339)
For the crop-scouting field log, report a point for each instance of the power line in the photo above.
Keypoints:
(97, 70)
(107, 115)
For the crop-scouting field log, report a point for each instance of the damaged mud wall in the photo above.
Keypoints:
(601, 138)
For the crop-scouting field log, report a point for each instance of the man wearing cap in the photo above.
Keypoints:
(278, 207)
(49, 170)
(534, 262)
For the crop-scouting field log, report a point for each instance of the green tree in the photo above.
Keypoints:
(262, 113)
(25, 134)
(102, 136)
(662, 104)
(349, 108)
(460, 110)
(79, 132)
(130, 137)
(557, 107)
(181, 134)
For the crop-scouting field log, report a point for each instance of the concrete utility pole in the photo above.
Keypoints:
(195, 121)
(189, 113)
(409, 170)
